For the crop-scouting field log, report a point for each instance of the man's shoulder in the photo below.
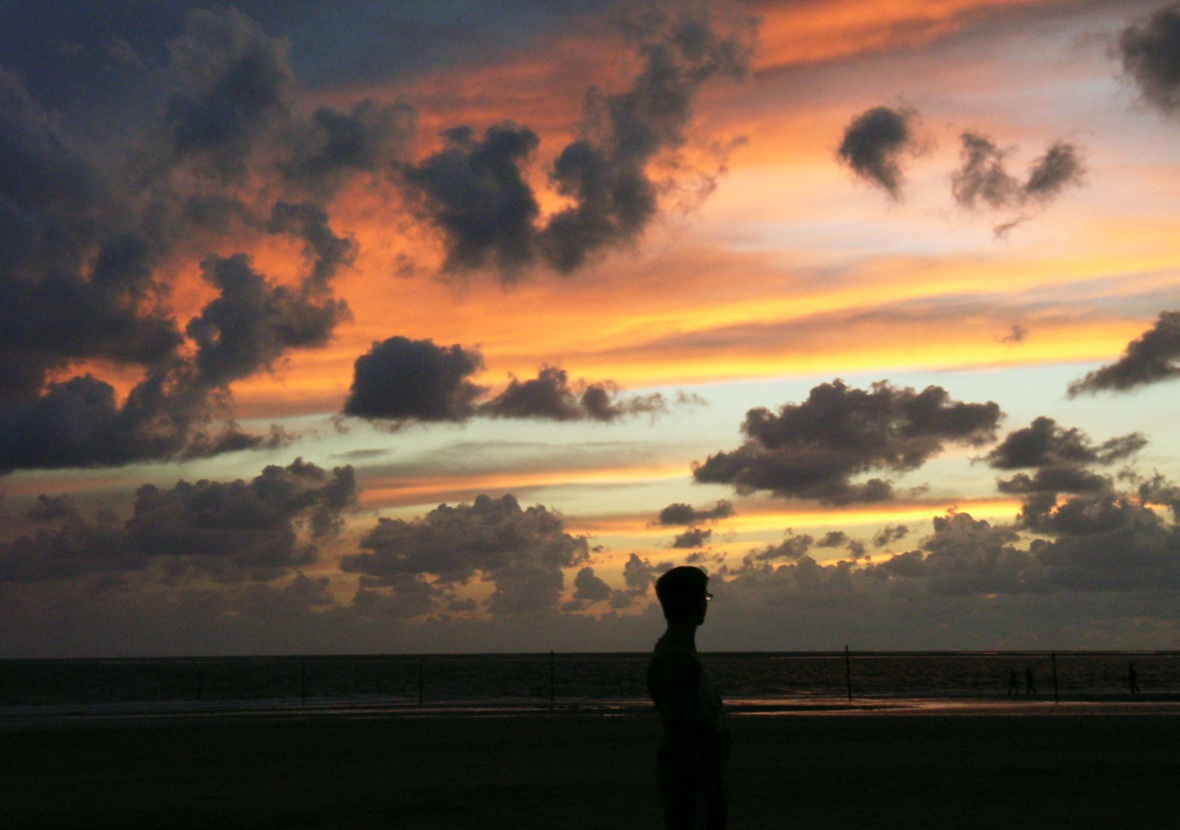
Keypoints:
(670, 658)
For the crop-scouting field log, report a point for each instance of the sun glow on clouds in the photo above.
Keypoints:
(736, 264)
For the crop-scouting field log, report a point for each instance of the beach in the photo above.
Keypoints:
(1024, 765)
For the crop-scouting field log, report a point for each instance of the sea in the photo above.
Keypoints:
(588, 681)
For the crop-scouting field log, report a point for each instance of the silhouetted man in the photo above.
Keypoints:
(695, 747)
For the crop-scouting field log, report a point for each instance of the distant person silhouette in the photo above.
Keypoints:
(1030, 683)
(1013, 684)
(1132, 679)
(695, 746)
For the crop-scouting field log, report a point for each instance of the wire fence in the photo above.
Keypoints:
(553, 679)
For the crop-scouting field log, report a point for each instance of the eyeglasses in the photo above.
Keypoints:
(708, 596)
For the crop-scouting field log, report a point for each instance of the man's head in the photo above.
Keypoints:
(683, 594)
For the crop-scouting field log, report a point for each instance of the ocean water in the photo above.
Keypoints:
(583, 680)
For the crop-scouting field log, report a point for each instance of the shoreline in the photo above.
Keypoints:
(32, 716)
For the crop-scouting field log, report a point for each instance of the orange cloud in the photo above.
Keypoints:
(822, 30)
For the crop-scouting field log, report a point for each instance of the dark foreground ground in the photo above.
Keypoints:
(1048, 767)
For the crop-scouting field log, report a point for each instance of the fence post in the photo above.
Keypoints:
(420, 674)
(303, 681)
(552, 674)
(1056, 690)
(848, 672)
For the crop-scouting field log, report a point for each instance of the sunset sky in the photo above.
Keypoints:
(446, 326)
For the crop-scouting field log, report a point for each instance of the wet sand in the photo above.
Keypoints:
(1036, 765)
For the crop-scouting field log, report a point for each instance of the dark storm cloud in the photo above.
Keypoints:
(604, 172)
(1151, 55)
(254, 322)
(551, 396)
(401, 379)
(231, 531)
(686, 514)
(475, 191)
(815, 449)
(875, 142)
(233, 84)
(1150, 358)
(55, 212)
(333, 146)
(81, 241)
(323, 249)
(522, 552)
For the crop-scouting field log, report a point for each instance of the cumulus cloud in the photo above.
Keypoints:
(521, 551)
(693, 537)
(475, 190)
(876, 141)
(638, 574)
(253, 322)
(332, 147)
(890, 534)
(965, 556)
(1149, 55)
(1150, 358)
(590, 588)
(793, 548)
(231, 82)
(686, 514)
(87, 277)
(402, 380)
(228, 531)
(1061, 459)
(1045, 444)
(58, 306)
(551, 396)
(816, 449)
(838, 538)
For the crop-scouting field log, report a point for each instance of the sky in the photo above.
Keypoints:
(448, 326)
